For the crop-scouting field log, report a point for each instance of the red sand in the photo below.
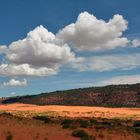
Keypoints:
(30, 129)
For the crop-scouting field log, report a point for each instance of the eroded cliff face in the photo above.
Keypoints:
(111, 96)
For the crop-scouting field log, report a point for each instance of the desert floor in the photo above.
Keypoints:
(18, 122)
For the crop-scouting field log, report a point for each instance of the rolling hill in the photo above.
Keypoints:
(110, 96)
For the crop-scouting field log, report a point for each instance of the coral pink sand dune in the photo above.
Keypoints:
(75, 111)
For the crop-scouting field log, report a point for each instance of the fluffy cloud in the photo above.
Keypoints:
(108, 62)
(14, 82)
(136, 43)
(26, 70)
(89, 33)
(126, 79)
(41, 53)
(35, 55)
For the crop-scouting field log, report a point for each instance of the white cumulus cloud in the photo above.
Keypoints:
(14, 82)
(26, 70)
(35, 55)
(42, 53)
(89, 33)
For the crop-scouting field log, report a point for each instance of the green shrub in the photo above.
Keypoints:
(79, 133)
(106, 123)
(45, 119)
(66, 121)
(116, 121)
(86, 138)
(84, 123)
(137, 130)
(136, 124)
(7, 113)
(67, 125)
(93, 121)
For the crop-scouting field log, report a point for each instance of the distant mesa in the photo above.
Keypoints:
(108, 96)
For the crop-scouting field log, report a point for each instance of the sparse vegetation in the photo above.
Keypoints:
(66, 123)
(84, 123)
(45, 119)
(86, 138)
(98, 125)
(136, 124)
(79, 133)
(6, 113)
(93, 121)
(106, 123)
(137, 130)
(116, 121)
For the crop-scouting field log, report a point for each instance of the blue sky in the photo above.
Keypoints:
(19, 17)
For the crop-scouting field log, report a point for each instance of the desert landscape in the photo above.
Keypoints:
(69, 70)
(24, 121)
(96, 113)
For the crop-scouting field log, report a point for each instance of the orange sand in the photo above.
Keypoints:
(74, 111)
